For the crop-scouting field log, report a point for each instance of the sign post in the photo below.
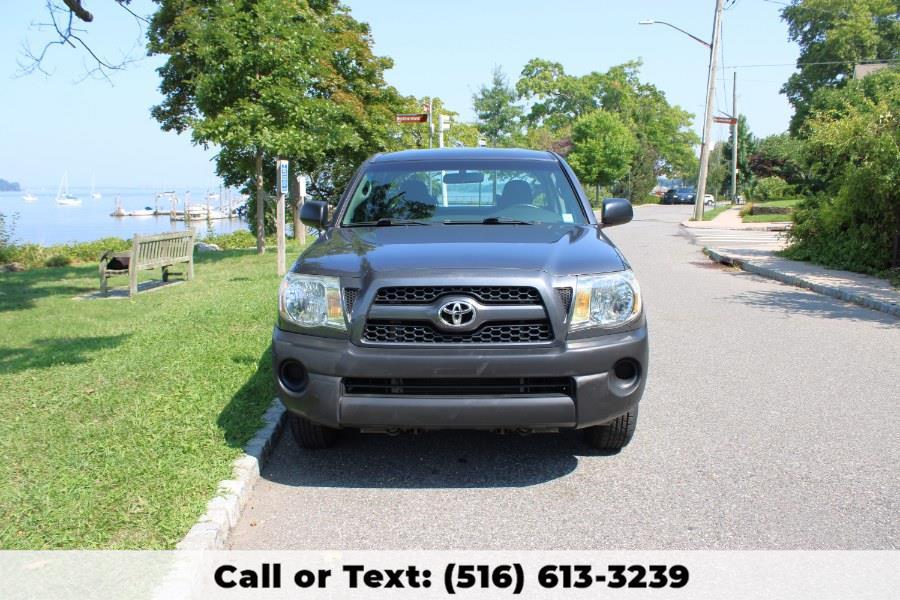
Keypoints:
(282, 178)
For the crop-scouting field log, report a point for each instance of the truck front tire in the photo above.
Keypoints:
(614, 435)
(309, 435)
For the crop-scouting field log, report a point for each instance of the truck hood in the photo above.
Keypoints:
(555, 249)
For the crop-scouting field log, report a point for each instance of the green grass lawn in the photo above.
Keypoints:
(767, 218)
(120, 417)
(709, 215)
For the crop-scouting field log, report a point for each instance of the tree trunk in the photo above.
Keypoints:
(260, 205)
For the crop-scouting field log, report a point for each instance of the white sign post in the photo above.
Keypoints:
(281, 175)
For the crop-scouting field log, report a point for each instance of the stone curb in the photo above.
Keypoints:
(224, 510)
(828, 290)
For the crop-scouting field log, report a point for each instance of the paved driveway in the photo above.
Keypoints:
(770, 420)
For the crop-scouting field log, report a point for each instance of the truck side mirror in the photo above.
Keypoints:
(616, 211)
(314, 213)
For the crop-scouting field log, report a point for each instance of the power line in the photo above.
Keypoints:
(827, 62)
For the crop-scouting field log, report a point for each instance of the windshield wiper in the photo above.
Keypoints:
(385, 222)
(490, 221)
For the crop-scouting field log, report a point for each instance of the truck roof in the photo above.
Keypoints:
(463, 153)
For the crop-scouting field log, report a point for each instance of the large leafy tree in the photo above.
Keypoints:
(497, 110)
(835, 35)
(267, 78)
(602, 148)
(556, 100)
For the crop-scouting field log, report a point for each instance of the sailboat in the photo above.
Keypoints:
(29, 197)
(94, 193)
(63, 196)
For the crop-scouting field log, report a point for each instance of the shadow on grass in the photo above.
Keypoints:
(240, 419)
(20, 291)
(45, 353)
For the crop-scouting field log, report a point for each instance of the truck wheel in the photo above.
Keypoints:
(614, 435)
(309, 435)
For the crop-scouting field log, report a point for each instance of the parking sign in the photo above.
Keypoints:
(283, 168)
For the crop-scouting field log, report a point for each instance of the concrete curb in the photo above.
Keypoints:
(833, 291)
(224, 510)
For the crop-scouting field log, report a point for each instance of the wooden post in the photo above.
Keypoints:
(281, 165)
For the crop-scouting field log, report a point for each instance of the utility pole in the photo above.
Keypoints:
(707, 125)
(734, 141)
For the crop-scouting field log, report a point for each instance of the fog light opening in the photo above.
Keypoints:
(293, 376)
(626, 372)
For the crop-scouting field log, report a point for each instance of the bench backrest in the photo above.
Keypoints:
(151, 251)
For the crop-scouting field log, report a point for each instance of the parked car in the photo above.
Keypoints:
(462, 289)
(681, 195)
(709, 200)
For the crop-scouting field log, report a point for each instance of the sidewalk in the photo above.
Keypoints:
(731, 219)
(871, 292)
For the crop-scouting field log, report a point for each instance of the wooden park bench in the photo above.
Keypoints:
(160, 251)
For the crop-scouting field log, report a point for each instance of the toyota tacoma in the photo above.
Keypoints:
(462, 289)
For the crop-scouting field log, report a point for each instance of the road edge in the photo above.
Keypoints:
(827, 290)
(223, 512)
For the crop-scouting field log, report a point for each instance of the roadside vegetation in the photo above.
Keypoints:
(120, 416)
(31, 256)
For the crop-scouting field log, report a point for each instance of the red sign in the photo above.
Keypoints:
(414, 118)
(725, 120)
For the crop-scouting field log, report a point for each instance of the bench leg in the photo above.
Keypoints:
(165, 274)
(132, 283)
(190, 269)
(104, 285)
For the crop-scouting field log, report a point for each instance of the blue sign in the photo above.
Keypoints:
(284, 177)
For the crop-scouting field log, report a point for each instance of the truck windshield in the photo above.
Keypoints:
(492, 192)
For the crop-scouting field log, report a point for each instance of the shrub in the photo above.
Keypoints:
(854, 146)
(771, 188)
(58, 260)
(231, 241)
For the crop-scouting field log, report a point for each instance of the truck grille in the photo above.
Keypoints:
(484, 294)
(518, 386)
(424, 333)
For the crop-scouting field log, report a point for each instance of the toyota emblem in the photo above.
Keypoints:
(457, 313)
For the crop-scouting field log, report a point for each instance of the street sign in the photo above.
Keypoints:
(725, 120)
(413, 118)
(301, 181)
(283, 169)
(445, 122)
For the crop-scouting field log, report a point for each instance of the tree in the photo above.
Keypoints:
(835, 35)
(664, 142)
(497, 111)
(273, 78)
(746, 147)
(779, 155)
(602, 148)
(63, 20)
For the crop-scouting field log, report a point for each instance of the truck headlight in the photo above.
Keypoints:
(607, 300)
(311, 301)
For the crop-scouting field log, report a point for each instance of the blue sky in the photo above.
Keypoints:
(52, 124)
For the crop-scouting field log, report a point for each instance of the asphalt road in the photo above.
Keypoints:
(770, 421)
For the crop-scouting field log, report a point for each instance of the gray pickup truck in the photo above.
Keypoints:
(462, 289)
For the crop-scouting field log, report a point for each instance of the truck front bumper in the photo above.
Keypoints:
(316, 389)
